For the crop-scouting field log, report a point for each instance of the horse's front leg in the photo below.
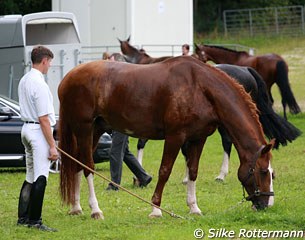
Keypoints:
(76, 208)
(96, 212)
(193, 155)
(170, 152)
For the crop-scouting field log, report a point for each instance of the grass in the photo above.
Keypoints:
(127, 217)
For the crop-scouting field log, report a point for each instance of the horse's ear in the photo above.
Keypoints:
(119, 40)
(196, 46)
(268, 147)
(128, 39)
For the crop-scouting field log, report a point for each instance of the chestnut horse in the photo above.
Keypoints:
(180, 100)
(271, 67)
(274, 125)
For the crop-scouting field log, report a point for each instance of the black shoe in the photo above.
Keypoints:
(145, 182)
(112, 188)
(23, 222)
(42, 227)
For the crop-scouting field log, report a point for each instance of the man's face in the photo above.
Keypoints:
(46, 64)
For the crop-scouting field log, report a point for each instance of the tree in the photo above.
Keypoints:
(208, 13)
(24, 7)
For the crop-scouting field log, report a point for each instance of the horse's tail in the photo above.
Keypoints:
(283, 84)
(67, 143)
(274, 125)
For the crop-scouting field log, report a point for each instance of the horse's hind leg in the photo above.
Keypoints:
(184, 152)
(76, 207)
(194, 150)
(227, 146)
(171, 149)
(85, 138)
(96, 212)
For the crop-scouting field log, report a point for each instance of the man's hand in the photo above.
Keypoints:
(53, 154)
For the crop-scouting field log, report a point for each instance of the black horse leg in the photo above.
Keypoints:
(227, 146)
(140, 146)
(184, 152)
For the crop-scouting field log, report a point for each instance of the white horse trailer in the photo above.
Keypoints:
(19, 34)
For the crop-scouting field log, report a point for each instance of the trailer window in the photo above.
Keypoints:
(51, 31)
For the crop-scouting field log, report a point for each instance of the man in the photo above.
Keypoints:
(37, 112)
(185, 49)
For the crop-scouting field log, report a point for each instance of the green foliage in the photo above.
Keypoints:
(208, 13)
(24, 7)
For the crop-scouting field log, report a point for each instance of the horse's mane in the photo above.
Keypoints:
(246, 96)
(226, 49)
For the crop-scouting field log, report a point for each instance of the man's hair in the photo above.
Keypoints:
(186, 46)
(39, 53)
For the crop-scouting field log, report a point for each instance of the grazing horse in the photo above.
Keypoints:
(180, 100)
(271, 67)
(133, 55)
(274, 125)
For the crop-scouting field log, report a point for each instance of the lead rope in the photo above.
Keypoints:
(119, 186)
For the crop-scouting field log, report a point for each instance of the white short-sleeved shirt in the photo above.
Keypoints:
(35, 97)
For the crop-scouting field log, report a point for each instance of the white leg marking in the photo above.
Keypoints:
(271, 198)
(96, 212)
(186, 176)
(191, 198)
(140, 155)
(76, 208)
(156, 212)
(224, 168)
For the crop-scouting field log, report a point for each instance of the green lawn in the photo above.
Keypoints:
(127, 218)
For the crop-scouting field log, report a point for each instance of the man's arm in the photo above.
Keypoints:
(47, 132)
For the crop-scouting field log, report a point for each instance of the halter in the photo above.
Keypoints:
(251, 171)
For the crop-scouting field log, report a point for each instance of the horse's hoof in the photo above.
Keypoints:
(75, 212)
(198, 213)
(184, 182)
(136, 182)
(152, 215)
(156, 213)
(219, 179)
(97, 215)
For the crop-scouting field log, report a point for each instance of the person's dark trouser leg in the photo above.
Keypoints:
(134, 165)
(116, 156)
(24, 202)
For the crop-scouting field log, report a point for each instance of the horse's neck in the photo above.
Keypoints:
(219, 56)
(244, 128)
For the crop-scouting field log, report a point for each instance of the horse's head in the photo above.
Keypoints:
(131, 54)
(256, 178)
(202, 55)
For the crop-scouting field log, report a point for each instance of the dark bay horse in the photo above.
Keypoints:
(273, 124)
(180, 100)
(271, 67)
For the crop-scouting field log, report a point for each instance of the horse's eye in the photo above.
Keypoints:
(264, 171)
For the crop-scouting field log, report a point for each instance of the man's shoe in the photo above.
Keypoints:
(42, 227)
(112, 188)
(145, 182)
(23, 222)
